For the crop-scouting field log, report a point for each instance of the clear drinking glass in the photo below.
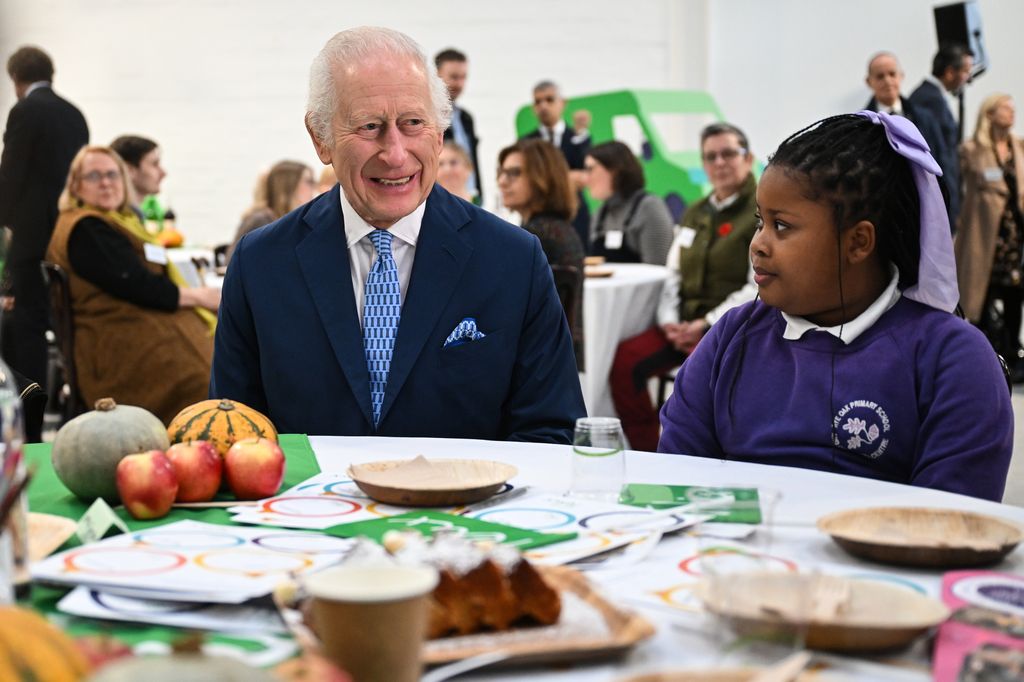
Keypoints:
(598, 462)
(13, 530)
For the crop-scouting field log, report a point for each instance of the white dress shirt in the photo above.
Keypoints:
(952, 101)
(362, 254)
(558, 129)
(896, 108)
(35, 86)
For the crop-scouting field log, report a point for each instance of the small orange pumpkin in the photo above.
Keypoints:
(221, 422)
(32, 648)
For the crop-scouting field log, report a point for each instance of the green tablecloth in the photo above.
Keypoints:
(48, 495)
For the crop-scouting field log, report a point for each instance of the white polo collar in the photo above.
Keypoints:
(796, 327)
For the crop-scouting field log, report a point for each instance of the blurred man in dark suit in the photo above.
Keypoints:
(549, 105)
(44, 131)
(936, 97)
(885, 78)
(453, 67)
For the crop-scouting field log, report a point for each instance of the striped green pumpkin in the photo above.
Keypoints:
(221, 422)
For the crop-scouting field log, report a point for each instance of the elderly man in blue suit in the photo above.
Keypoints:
(387, 306)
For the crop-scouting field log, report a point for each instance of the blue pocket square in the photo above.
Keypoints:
(464, 331)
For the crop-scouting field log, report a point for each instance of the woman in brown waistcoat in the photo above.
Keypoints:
(989, 241)
(141, 336)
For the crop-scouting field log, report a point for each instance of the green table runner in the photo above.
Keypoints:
(48, 495)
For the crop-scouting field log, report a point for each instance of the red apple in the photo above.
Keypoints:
(198, 466)
(254, 468)
(147, 484)
(100, 650)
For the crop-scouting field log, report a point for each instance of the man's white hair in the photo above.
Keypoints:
(354, 45)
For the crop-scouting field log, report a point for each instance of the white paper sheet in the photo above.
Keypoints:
(193, 561)
(248, 617)
(593, 521)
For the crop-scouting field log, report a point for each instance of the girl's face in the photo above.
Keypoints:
(599, 179)
(515, 190)
(795, 251)
(452, 171)
(305, 190)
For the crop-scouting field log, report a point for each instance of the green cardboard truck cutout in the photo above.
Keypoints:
(661, 126)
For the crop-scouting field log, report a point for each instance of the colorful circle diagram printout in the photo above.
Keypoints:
(310, 506)
(187, 539)
(530, 518)
(252, 563)
(122, 561)
(610, 520)
(303, 543)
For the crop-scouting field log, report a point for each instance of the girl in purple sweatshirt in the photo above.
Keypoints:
(852, 360)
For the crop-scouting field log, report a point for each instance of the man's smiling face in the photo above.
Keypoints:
(386, 139)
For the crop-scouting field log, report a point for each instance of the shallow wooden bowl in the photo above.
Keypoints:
(873, 616)
(46, 533)
(710, 675)
(914, 536)
(421, 482)
(594, 272)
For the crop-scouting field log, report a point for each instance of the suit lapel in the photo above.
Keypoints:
(324, 261)
(441, 256)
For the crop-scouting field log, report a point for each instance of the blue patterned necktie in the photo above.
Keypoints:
(381, 309)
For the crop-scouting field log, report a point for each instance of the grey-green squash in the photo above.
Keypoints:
(87, 449)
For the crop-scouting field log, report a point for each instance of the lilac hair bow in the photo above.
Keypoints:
(936, 278)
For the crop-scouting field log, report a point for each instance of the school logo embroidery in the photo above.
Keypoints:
(861, 427)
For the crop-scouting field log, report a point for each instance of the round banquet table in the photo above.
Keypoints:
(680, 641)
(614, 309)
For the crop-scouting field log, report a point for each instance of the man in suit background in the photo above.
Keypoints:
(549, 105)
(453, 68)
(386, 306)
(885, 79)
(936, 97)
(43, 134)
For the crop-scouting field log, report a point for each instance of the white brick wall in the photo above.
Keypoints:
(221, 84)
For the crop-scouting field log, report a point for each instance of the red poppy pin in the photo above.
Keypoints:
(724, 229)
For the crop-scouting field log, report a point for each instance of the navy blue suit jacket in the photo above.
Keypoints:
(929, 101)
(289, 342)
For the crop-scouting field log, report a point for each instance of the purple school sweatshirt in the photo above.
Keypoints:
(918, 398)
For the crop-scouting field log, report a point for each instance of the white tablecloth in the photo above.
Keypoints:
(614, 309)
(681, 641)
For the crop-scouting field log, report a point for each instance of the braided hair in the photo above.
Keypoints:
(847, 161)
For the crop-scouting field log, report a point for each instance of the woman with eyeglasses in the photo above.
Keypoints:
(708, 266)
(632, 225)
(285, 187)
(533, 178)
(142, 337)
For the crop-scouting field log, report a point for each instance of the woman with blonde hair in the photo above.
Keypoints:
(285, 187)
(989, 243)
(142, 337)
(454, 169)
(534, 181)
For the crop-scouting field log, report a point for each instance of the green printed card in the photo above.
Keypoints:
(428, 522)
(729, 505)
